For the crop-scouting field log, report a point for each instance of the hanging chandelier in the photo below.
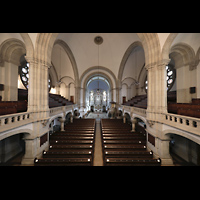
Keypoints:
(98, 40)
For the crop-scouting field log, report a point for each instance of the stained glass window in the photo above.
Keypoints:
(171, 76)
(24, 74)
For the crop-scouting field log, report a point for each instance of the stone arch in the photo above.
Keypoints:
(27, 132)
(184, 134)
(71, 57)
(186, 52)
(55, 116)
(29, 44)
(126, 56)
(167, 45)
(149, 42)
(97, 70)
(128, 117)
(85, 80)
(151, 46)
(140, 117)
(11, 50)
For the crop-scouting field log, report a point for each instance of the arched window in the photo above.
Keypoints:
(24, 74)
(170, 78)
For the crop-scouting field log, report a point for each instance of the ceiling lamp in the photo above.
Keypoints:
(98, 40)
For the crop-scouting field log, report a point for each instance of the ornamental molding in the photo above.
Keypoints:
(36, 61)
(158, 64)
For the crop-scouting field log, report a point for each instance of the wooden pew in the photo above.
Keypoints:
(73, 147)
(121, 147)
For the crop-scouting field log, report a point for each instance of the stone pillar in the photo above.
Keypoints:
(162, 87)
(183, 84)
(157, 90)
(134, 121)
(129, 93)
(71, 118)
(62, 124)
(69, 92)
(31, 151)
(163, 151)
(38, 100)
(198, 80)
(124, 119)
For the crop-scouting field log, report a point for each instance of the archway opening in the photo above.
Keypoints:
(97, 94)
(183, 151)
(12, 150)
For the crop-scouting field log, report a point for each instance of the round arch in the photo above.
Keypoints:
(97, 71)
(139, 117)
(11, 50)
(187, 53)
(27, 132)
(92, 75)
(150, 43)
(126, 56)
(128, 117)
(28, 44)
(71, 57)
(184, 134)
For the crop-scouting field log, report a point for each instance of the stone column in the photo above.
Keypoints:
(71, 118)
(31, 151)
(157, 90)
(162, 87)
(163, 151)
(62, 124)
(38, 100)
(134, 121)
(69, 92)
(198, 80)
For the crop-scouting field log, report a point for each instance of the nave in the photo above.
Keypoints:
(116, 145)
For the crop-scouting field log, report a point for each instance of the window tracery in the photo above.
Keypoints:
(24, 75)
(170, 77)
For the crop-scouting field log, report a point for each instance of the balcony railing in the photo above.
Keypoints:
(15, 120)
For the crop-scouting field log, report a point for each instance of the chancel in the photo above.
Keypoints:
(100, 99)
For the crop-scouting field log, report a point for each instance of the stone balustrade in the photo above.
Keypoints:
(185, 123)
(14, 120)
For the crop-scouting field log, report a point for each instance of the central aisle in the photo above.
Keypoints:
(98, 155)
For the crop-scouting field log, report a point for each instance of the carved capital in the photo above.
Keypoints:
(44, 122)
(164, 62)
(151, 123)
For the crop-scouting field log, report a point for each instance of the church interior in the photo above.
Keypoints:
(99, 99)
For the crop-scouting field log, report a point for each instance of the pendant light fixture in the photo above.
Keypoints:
(98, 40)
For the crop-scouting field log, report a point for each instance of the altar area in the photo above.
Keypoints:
(97, 115)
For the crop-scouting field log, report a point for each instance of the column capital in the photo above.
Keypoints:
(164, 62)
(158, 64)
(36, 61)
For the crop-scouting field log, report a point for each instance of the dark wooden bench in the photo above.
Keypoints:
(132, 162)
(121, 147)
(63, 162)
(125, 147)
(68, 154)
(70, 137)
(134, 154)
(74, 134)
(73, 147)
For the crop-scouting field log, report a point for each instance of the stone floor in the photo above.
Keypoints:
(98, 155)
(97, 115)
